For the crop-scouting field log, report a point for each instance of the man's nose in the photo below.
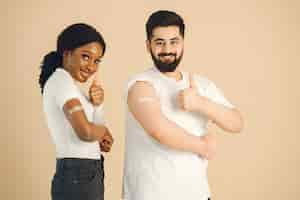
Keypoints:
(166, 48)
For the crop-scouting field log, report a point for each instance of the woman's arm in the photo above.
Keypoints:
(85, 130)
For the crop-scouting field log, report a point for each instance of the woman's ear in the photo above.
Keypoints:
(66, 53)
(66, 58)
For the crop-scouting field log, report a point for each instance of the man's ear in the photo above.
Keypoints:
(148, 46)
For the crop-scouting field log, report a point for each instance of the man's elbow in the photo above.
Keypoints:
(156, 132)
(236, 124)
(236, 127)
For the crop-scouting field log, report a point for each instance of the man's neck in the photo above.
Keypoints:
(177, 75)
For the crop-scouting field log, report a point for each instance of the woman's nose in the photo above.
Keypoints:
(92, 67)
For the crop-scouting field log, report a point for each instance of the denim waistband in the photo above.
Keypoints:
(73, 163)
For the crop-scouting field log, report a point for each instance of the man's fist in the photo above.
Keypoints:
(187, 98)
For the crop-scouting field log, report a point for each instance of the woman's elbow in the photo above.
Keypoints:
(84, 132)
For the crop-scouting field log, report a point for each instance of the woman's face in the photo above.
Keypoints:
(83, 61)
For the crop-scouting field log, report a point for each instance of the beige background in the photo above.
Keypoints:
(249, 48)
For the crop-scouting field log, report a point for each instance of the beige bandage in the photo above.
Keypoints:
(145, 99)
(75, 109)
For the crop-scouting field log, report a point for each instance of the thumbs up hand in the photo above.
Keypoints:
(188, 98)
(96, 93)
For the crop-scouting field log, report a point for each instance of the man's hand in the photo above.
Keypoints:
(96, 93)
(209, 145)
(188, 99)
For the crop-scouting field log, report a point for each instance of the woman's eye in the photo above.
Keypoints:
(85, 57)
(97, 62)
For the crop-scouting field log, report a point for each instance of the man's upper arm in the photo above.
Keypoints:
(144, 104)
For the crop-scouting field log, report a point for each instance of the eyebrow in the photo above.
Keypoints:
(172, 39)
(86, 51)
(175, 38)
(158, 39)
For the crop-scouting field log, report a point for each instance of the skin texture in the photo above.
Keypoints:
(166, 44)
(168, 40)
(229, 120)
(82, 63)
(160, 128)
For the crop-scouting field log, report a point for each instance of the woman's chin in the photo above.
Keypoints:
(81, 79)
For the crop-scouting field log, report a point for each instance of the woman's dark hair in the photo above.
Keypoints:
(70, 38)
(164, 18)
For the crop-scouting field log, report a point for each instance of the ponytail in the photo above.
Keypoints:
(50, 62)
(72, 37)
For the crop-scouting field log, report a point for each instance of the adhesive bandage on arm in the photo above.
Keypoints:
(75, 109)
(145, 99)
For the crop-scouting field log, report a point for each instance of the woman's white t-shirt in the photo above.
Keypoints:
(59, 88)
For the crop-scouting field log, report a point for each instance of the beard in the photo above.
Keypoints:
(166, 66)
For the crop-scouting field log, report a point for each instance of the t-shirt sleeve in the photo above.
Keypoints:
(132, 81)
(64, 90)
(216, 95)
(98, 115)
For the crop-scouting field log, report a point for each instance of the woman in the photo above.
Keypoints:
(75, 121)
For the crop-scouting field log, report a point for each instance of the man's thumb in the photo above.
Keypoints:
(192, 81)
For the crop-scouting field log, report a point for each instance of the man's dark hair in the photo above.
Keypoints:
(164, 18)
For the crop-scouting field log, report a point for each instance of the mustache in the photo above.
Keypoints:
(167, 54)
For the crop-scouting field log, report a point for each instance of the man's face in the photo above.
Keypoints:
(166, 48)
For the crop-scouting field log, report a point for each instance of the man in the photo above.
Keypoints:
(167, 144)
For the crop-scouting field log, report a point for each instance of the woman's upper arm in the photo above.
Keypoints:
(66, 97)
(74, 112)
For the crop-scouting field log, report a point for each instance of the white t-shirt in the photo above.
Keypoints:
(154, 171)
(59, 88)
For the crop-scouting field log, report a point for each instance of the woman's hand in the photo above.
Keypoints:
(96, 93)
(106, 142)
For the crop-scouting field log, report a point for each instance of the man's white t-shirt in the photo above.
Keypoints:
(154, 171)
(59, 88)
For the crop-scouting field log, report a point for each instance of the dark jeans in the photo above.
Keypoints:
(78, 179)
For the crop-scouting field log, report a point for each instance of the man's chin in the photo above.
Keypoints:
(165, 69)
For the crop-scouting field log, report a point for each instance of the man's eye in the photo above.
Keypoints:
(174, 42)
(159, 43)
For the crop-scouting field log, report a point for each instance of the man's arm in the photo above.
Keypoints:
(145, 107)
(229, 119)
